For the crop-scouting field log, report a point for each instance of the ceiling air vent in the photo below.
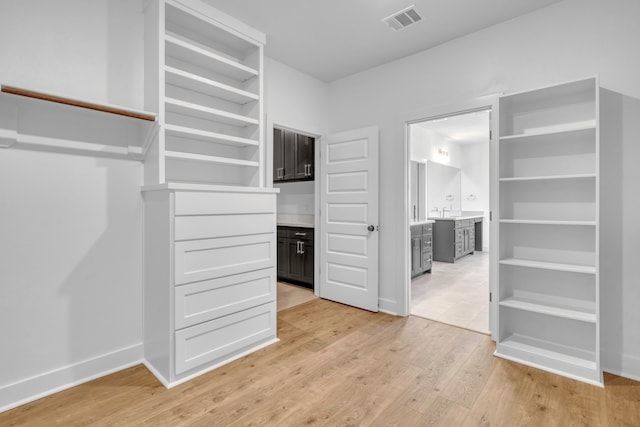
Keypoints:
(402, 19)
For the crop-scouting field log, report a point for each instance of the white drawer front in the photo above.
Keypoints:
(198, 203)
(197, 260)
(211, 226)
(202, 301)
(218, 338)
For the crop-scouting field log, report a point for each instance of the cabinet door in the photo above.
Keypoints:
(278, 155)
(283, 257)
(294, 265)
(304, 155)
(306, 260)
(416, 255)
(289, 157)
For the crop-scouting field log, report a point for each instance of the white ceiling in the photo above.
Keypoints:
(331, 39)
(463, 128)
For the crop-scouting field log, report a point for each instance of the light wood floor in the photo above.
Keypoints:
(336, 366)
(455, 293)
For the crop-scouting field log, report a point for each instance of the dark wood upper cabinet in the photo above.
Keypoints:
(304, 156)
(293, 156)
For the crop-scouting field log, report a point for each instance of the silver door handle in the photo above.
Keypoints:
(300, 247)
(300, 234)
(280, 172)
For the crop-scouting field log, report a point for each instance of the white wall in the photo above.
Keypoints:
(70, 226)
(567, 41)
(299, 102)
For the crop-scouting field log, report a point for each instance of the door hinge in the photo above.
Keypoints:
(490, 216)
(490, 297)
(490, 134)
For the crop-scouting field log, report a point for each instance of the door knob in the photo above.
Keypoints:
(371, 228)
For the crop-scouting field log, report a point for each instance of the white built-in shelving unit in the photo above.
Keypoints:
(209, 219)
(548, 307)
(206, 69)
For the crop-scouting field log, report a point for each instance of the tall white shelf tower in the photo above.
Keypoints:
(548, 279)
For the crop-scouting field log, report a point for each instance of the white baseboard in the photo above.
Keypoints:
(210, 367)
(39, 386)
(628, 367)
(388, 306)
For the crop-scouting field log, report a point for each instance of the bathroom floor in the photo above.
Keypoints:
(455, 293)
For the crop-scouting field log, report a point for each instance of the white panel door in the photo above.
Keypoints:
(349, 218)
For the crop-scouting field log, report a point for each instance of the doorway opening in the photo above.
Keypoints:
(449, 208)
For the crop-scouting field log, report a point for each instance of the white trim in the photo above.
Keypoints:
(489, 102)
(388, 306)
(210, 368)
(47, 383)
(628, 367)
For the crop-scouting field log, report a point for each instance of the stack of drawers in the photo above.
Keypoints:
(218, 300)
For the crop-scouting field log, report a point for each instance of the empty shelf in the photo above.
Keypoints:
(197, 110)
(201, 84)
(203, 135)
(568, 361)
(548, 177)
(570, 130)
(574, 268)
(210, 159)
(179, 48)
(546, 222)
(553, 306)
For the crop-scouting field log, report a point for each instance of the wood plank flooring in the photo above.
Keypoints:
(340, 366)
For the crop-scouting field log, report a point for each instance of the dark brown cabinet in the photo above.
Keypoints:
(295, 255)
(421, 248)
(293, 156)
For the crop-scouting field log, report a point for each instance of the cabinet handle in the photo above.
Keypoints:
(300, 246)
(300, 234)
(280, 173)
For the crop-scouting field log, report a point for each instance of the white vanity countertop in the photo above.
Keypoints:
(455, 218)
(422, 221)
(295, 220)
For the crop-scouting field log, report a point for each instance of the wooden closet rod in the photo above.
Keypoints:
(76, 103)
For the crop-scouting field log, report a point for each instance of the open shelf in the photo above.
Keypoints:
(190, 109)
(191, 52)
(210, 87)
(568, 361)
(547, 222)
(541, 199)
(56, 123)
(553, 306)
(549, 177)
(210, 159)
(574, 268)
(568, 131)
(202, 135)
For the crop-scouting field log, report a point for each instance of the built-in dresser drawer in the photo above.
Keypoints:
(202, 301)
(197, 260)
(200, 203)
(216, 339)
(213, 226)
